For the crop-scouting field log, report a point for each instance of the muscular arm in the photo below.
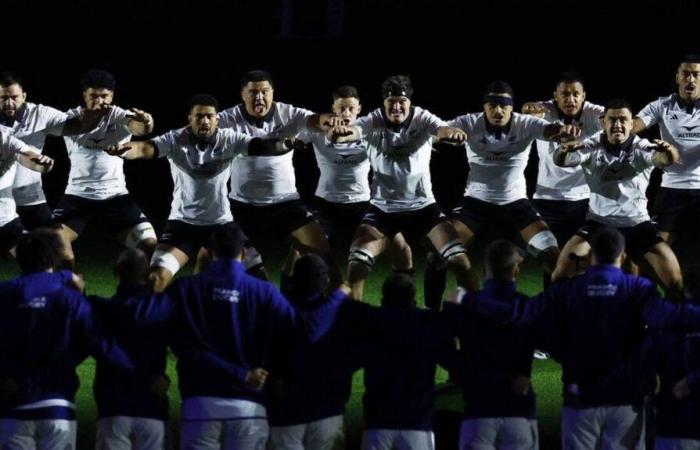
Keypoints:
(638, 125)
(140, 122)
(35, 161)
(134, 150)
(666, 154)
(567, 155)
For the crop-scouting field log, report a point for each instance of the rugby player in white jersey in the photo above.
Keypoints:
(677, 205)
(264, 197)
(499, 141)
(617, 166)
(342, 193)
(31, 123)
(13, 150)
(561, 194)
(399, 136)
(96, 185)
(200, 157)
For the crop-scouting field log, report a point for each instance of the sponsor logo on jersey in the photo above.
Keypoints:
(35, 303)
(225, 295)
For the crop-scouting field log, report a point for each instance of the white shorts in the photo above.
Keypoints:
(126, 433)
(237, 434)
(383, 439)
(324, 434)
(40, 434)
(504, 433)
(609, 427)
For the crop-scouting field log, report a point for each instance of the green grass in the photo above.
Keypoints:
(95, 262)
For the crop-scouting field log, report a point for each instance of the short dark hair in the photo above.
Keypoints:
(132, 266)
(499, 87)
(398, 291)
(227, 241)
(255, 76)
(500, 257)
(569, 77)
(397, 85)
(346, 92)
(607, 244)
(98, 79)
(8, 78)
(203, 99)
(39, 250)
(692, 58)
(311, 275)
(618, 103)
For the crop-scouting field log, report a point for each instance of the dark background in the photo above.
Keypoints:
(162, 52)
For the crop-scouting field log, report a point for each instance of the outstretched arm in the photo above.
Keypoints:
(133, 150)
(35, 161)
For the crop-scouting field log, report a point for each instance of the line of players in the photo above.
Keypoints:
(597, 177)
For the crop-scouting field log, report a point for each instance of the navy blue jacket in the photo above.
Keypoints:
(673, 355)
(400, 368)
(224, 323)
(492, 355)
(311, 381)
(46, 331)
(133, 317)
(595, 321)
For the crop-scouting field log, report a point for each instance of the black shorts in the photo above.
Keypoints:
(638, 239)
(414, 225)
(275, 221)
(339, 220)
(187, 237)
(9, 233)
(677, 210)
(509, 218)
(117, 214)
(563, 217)
(35, 216)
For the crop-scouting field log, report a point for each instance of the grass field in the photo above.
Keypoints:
(95, 259)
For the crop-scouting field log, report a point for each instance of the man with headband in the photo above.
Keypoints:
(495, 196)
(399, 141)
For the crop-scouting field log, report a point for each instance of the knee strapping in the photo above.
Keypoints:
(138, 233)
(541, 242)
(166, 260)
(452, 249)
(362, 256)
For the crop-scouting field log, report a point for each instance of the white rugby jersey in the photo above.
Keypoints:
(497, 161)
(565, 183)
(33, 123)
(680, 127)
(10, 147)
(94, 174)
(400, 159)
(264, 180)
(344, 168)
(199, 176)
(618, 182)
